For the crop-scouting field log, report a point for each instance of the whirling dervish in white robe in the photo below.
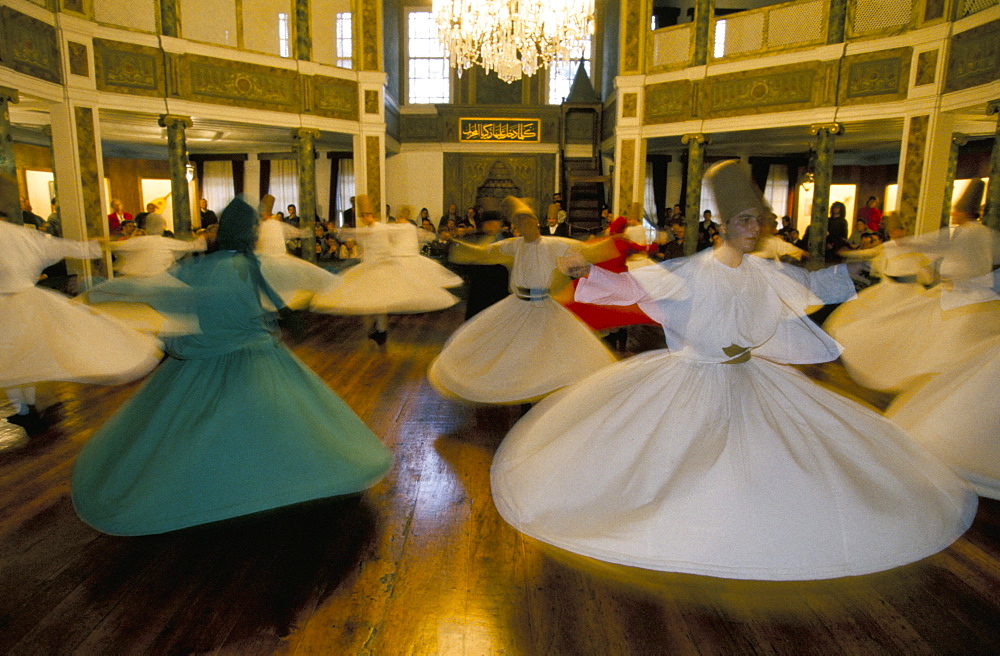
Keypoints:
(955, 414)
(295, 280)
(714, 456)
(526, 345)
(935, 302)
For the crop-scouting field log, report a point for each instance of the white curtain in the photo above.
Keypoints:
(217, 184)
(284, 183)
(345, 187)
(649, 205)
(776, 189)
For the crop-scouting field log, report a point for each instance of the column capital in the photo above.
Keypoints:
(830, 128)
(959, 139)
(171, 120)
(696, 137)
(9, 94)
(300, 133)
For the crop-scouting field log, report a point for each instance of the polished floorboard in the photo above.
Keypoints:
(422, 563)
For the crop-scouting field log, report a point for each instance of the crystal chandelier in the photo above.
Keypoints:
(512, 37)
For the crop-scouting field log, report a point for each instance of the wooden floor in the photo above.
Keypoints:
(422, 563)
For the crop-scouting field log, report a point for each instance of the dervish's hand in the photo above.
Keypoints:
(573, 264)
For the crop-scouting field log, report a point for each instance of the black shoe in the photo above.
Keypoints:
(33, 423)
(379, 336)
(621, 339)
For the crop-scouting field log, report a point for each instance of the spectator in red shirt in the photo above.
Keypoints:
(117, 217)
(871, 215)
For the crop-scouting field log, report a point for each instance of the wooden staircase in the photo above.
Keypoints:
(584, 185)
(585, 191)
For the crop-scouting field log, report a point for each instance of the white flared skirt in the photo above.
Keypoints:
(44, 336)
(517, 351)
(747, 471)
(382, 287)
(895, 335)
(296, 281)
(430, 271)
(956, 416)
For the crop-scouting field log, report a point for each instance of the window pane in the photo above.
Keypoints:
(428, 71)
(562, 73)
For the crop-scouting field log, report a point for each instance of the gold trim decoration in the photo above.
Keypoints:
(875, 76)
(29, 46)
(926, 68)
(630, 105)
(500, 130)
(227, 82)
(784, 88)
(974, 58)
(78, 64)
(667, 102)
(128, 68)
(335, 97)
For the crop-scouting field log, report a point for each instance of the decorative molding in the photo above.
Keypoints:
(373, 167)
(974, 58)
(226, 82)
(626, 173)
(630, 105)
(334, 97)
(635, 21)
(875, 76)
(90, 182)
(78, 63)
(495, 130)
(926, 68)
(371, 101)
(128, 68)
(370, 44)
(913, 169)
(667, 102)
(797, 86)
(171, 120)
(29, 46)
(528, 176)
(417, 128)
(830, 128)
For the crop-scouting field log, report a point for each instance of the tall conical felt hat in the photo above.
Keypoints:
(514, 207)
(267, 205)
(971, 199)
(363, 204)
(553, 212)
(734, 190)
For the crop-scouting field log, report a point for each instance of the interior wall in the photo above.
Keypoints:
(415, 178)
(124, 176)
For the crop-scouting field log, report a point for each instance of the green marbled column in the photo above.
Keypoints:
(957, 141)
(178, 156)
(991, 216)
(168, 18)
(823, 173)
(303, 35)
(703, 11)
(692, 211)
(8, 167)
(837, 21)
(305, 151)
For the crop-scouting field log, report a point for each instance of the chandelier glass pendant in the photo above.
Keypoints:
(512, 37)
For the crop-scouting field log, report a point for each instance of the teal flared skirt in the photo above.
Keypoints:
(209, 439)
